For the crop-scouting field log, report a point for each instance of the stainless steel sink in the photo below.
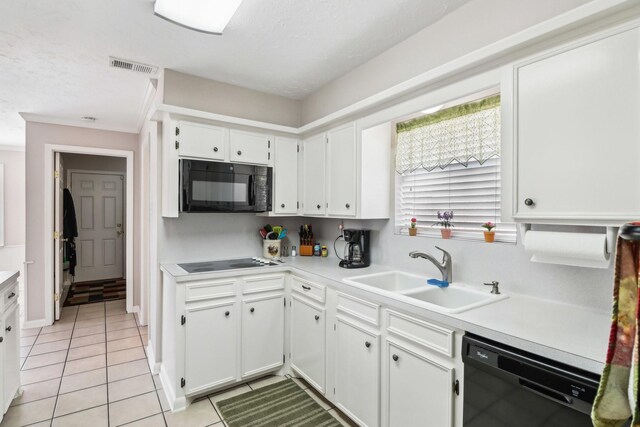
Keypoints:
(455, 298)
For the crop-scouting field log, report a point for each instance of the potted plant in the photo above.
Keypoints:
(413, 229)
(489, 235)
(444, 221)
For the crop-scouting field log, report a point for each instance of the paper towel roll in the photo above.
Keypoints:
(578, 249)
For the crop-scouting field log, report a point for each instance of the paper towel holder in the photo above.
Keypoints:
(612, 233)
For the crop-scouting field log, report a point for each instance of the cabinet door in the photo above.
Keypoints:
(308, 341)
(203, 141)
(11, 349)
(2, 351)
(313, 175)
(577, 131)
(420, 389)
(357, 373)
(211, 348)
(262, 334)
(249, 147)
(341, 171)
(286, 175)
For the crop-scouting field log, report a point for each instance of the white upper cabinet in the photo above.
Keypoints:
(576, 131)
(285, 176)
(249, 147)
(201, 141)
(341, 170)
(313, 175)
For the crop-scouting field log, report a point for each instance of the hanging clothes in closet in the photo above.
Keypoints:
(69, 230)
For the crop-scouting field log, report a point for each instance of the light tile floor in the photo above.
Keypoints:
(90, 369)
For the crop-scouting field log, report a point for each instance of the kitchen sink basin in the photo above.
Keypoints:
(455, 298)
(394, 281)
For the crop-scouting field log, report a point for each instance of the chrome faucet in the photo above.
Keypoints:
(445, 266)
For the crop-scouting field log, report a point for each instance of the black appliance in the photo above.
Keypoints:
(224, 187)
(505, 386)
(356, 252)
(226, 264)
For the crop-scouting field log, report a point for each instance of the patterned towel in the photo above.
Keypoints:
(612, 407)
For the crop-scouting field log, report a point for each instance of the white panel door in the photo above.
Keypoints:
(577, 131)
(313, 175)
(11, 349)
(357, 373)
(420, 389)
(308, 341)
(211, 356)
(202, 141)
(285, 173)
(249, 147)
(98, 200)
(341, 171)
(262, 334)
(59, 243)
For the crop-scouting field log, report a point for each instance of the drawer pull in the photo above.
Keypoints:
(252, 309)
(395, 357)
(215, 149)
(11, 295)
(529, 202)
(8, 329)
(347, 206)
(306, 288)
(317, 317)
(282, 205)
(226, 314)
(239, 153)
(318, 206)
(367, 344)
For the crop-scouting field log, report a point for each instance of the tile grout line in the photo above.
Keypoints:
(106, 367)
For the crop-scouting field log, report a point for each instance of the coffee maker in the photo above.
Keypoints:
(356, 252)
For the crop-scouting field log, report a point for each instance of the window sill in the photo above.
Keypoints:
(472, 236)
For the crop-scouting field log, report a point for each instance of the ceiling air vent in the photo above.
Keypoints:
(132, 66)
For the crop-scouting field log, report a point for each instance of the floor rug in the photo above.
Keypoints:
(276, 405)
(96, 291)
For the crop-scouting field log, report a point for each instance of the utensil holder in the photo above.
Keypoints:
(271, 249)
(306, 250)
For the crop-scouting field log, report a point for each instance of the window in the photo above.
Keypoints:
(450, 160)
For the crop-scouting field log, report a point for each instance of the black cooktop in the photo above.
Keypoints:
(227, 264)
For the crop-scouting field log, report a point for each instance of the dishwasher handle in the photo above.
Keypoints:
(545, 392)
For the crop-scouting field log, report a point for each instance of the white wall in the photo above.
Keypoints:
(470, 27)
(14, 197)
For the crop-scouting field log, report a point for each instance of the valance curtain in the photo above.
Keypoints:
(458, 134)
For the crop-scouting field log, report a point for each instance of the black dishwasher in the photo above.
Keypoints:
(505, 387)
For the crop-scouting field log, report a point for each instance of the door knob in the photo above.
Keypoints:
(395, 357)
(367, 344)
(317, 317)
(529, 202)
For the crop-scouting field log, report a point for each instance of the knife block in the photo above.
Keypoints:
(306, 250)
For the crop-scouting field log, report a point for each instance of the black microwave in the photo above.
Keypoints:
(224, 187)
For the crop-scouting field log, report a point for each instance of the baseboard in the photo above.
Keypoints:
(39, 323)
(154, 366)
(176, 403)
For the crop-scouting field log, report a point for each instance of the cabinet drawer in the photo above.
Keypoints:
(360, 309)
(8, 296)
(255, 284)
(310, 290)
(210, 289)
(419, 332)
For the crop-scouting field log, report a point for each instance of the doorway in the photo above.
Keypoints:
(93, 262)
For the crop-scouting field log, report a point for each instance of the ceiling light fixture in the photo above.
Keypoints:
(89, 118)
(432, 109)
(208, 16)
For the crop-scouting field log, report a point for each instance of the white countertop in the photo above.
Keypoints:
(7, 277)
(570, 334)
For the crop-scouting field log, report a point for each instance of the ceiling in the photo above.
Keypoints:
(54, 54)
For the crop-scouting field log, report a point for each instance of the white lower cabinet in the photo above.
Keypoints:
(308, 347)
(11, 370)
(262, 334)
(419, 389)
(211, 346)
(357, 372)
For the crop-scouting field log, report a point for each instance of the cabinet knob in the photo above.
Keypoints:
(215, 149)
(11, 295)
(367, 344)
(252, 309)
(8, 329)
(1, 339)
(239, 153)
(282, 205)
(318, 206)
(347, 206)
(529, 202)
(226, 314)
(317, 317)
(395, 357)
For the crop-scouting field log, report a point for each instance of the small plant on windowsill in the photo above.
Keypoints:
(489, 235)
(445, 219)
(413, 228)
